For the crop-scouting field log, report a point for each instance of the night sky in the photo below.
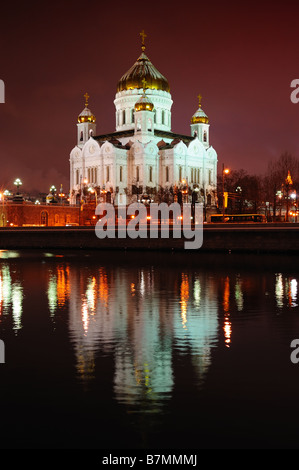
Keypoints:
(241, 57)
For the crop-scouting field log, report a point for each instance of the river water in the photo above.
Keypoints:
(140, 350)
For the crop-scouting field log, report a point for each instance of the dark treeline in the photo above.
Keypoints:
(273, 191)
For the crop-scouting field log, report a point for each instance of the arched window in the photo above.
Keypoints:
(167, 174)
(132, 116)
(180, 174)
(163, 117)
(120, 174)
(44, 218)
(137, 174)
(124, 117)
(205, 136)
(150, 174)
(81, 136)
(107, 174)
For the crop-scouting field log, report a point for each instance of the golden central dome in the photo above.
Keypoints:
(143, 69)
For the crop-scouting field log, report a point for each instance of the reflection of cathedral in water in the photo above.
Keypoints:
(143, 318)
(127, 313)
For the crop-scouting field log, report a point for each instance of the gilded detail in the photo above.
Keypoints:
(142, 70)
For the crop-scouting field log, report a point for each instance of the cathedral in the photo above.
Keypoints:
(143, 158)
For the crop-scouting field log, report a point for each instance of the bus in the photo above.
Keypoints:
(238, 218)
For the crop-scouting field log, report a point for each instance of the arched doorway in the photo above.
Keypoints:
(44, 218)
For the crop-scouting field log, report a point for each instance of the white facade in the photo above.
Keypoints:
(143, 152)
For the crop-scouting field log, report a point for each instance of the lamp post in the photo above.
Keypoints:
(94, 191)
(288, 183)
(225, 171)
(61, 194)
(294, 198)
(239, 193)
(18, 183)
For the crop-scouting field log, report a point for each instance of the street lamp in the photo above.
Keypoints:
(225, 171)
(61, 194)
(239, 194)
(288, 183)
(18, 183)
(94, 191)
(83, 183)
(294, 198)
(185, 189)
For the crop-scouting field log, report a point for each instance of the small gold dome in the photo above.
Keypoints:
(86, 115)
(143, 69)
(200, 119)
(144, 104)
(200, 116)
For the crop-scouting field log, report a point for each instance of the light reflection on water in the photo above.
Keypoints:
(122, 312)
(142, 316)
(11, 296)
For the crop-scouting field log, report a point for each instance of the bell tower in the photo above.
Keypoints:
(200, 125)
(86, 125)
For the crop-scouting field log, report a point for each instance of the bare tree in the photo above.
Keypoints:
(276, 176)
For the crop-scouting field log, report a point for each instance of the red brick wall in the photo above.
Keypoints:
(27, 214)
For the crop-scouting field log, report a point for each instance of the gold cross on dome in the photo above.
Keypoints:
(144, 83)
(143, 36)
(86, 96)
(200, 98)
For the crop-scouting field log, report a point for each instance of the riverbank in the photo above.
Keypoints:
(244, 238)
